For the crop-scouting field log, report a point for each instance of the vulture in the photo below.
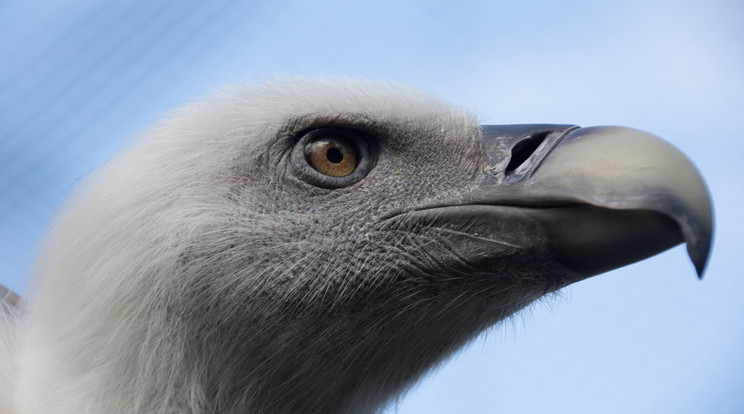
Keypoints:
(316, 246)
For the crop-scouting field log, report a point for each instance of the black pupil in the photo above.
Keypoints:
(334, 155)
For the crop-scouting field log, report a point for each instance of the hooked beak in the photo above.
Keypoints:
(593, 198)
(630, 170)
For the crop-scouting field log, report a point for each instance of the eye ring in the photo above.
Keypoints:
(332, 157)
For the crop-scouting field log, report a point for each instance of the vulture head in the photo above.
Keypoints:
(317, 246)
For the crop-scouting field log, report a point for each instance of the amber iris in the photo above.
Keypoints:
(332, 156)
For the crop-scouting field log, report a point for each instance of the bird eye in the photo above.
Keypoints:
(332, 156)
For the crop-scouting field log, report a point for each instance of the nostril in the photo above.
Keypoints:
(523, 150)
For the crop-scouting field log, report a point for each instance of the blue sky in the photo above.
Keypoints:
(80, 77)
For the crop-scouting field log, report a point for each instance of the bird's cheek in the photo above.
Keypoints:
(485, 249)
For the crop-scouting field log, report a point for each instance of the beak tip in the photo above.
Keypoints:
(700, 238)
(700, 268)
(700, 259)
